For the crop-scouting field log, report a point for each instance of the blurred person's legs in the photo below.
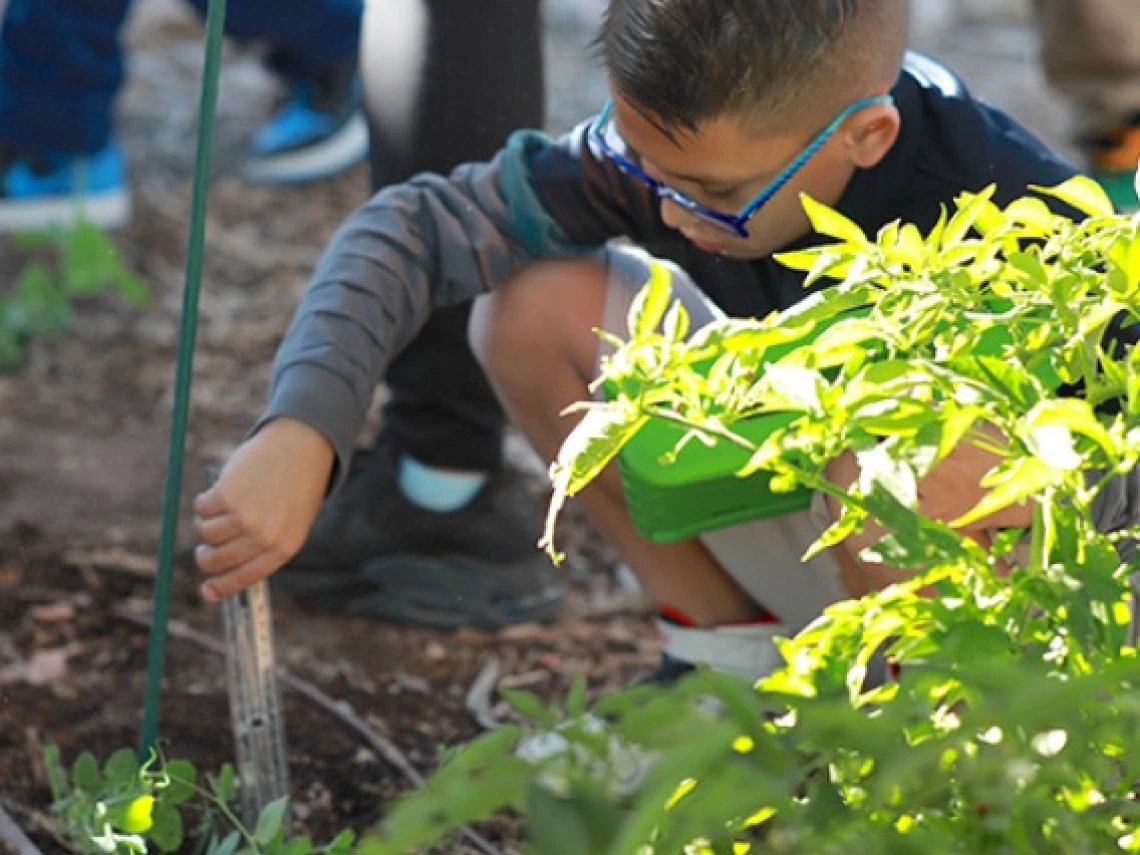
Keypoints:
(60, 69)
(61, 66)
(431, 528)
(1091, 53)
(318, 130)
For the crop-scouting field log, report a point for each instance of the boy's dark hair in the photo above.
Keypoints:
(774, 61)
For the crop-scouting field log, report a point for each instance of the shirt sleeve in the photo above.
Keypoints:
(435, 241)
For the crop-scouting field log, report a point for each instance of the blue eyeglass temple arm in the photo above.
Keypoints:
(765, 195)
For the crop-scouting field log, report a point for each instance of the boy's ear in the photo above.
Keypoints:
(871, 134)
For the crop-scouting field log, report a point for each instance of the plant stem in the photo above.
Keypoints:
(221, 807)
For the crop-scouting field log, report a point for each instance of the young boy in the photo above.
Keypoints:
(721, 116)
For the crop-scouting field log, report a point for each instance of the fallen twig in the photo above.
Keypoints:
(31, 594)
(13, 837)
(115, 559)
(340, 709)
(479, 695)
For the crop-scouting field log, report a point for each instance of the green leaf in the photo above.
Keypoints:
(1033, 213)
(226, 846)
(297, 846)
(878, 467)
(225, 785)
(342, 843)
(85, 773)
(677, 322)
(529, 707)
(554, 826)
(829, 222)
(167, 832)
(576, 700)
(121, 768)
(589, 448)
(57, 777)
(1054, 445)
(269, 823)
(910, 248)
(970, 206)
(795, 388)
(39, 306)
(1072, 414)
(1082, 193)
(183, 778)
(1032, 269)
(839, 343)
(648, 308)
(1010, 484)
(487, 749)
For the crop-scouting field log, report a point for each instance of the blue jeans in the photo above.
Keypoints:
(61, 61)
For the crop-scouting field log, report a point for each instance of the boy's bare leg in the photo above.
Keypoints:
(535, 340)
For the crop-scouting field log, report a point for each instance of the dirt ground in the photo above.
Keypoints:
(83, 444)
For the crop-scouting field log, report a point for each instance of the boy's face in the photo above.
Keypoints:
(725, 165)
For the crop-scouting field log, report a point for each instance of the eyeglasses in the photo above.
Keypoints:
(609, 141)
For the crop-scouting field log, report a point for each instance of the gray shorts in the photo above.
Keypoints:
(764, 557)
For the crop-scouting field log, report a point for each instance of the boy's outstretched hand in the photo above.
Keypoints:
(258, 514)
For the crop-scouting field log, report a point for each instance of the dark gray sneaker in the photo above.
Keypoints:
(373, 553)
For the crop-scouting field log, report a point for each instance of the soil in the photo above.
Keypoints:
(83, 443)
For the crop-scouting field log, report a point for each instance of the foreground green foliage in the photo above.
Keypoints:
(124, 808)
(1014, 722)
(83, 262)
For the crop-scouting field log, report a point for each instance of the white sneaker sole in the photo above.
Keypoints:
(342, 150)
(108, 211)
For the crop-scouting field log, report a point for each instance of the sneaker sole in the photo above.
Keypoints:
(444, 592)
(110, 211)
(344, 149)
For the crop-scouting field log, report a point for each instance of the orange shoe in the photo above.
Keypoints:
(1113, 162)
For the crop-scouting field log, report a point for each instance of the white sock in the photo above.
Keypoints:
(745, 649)
(439, 490)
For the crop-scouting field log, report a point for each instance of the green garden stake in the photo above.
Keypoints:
(187, 335)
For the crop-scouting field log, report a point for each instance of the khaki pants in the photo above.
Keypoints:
(1091, 53)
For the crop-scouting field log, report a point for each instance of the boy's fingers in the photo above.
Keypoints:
(228, 556)
(217, 530)
(240, 578)
(210, 504)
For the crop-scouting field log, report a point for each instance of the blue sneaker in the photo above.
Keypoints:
(318, 132)
(40, 192)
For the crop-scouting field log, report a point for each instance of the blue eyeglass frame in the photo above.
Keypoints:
(737, 224)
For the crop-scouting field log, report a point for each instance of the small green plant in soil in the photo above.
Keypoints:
(1013, 723)
(73, 263)
(123, 807)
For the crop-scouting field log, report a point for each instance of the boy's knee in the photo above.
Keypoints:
(550, 308)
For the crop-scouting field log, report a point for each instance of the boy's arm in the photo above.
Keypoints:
(947, 493)
(430, 242)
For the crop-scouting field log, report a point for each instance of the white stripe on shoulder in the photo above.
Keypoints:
(933, 74)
